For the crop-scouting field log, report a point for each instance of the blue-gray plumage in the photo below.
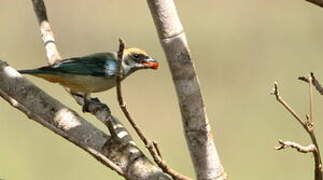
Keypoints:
(93, 73)
(100, 64)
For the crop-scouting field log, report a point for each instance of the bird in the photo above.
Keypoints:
(93, 73)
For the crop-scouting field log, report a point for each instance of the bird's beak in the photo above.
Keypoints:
(151, 63)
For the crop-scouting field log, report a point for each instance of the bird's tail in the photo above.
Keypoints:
(29, 71)
(42, 70)
(42, 73)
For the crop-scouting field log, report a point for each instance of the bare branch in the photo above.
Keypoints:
(46, 32)
(157, 149)
(310, 92)
(286, 106)
(308, 125)
(316, 84)
(199, 139)
(122, 104)
(298, 147)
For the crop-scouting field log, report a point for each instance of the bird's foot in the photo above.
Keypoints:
(94, 105)
(85, 107)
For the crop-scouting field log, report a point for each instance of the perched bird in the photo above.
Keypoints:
(93, 73)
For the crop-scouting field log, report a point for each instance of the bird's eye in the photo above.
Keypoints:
(136, 56)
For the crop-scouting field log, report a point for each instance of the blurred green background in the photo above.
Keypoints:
(239, 48)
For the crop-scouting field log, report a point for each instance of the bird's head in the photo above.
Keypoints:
(135, 59)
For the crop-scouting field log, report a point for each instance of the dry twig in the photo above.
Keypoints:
(315, 82)
(298, 147)
(157, 149)
(287, 107)
(307, 125)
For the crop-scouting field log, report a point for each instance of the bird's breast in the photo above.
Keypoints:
(87, 84)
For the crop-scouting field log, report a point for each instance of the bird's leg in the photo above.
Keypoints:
(90, 104)
(86, 99)
(94, 103)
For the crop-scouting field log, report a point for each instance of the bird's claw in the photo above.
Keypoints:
(85, 107)
(95, 106)
(96, 100)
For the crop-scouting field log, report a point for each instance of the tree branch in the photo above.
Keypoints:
(298, 147)
(315, 82)
(286, 106)
(46, 32)
(199, 139)
(307, 124)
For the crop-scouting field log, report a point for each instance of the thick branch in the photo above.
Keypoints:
(199, 139)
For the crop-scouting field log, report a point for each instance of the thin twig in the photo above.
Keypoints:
(315, 82)
(310, 127)
(310, 91)
(294, 145)
(286, 106)
(149, 145)
(157, 149)
(122, 104)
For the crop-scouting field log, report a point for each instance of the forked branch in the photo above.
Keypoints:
(307, 124)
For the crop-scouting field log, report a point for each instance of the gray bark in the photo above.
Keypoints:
(199, 139)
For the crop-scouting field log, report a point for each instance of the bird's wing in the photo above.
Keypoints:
(101, 64)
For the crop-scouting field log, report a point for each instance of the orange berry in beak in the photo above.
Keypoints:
(152, 65)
